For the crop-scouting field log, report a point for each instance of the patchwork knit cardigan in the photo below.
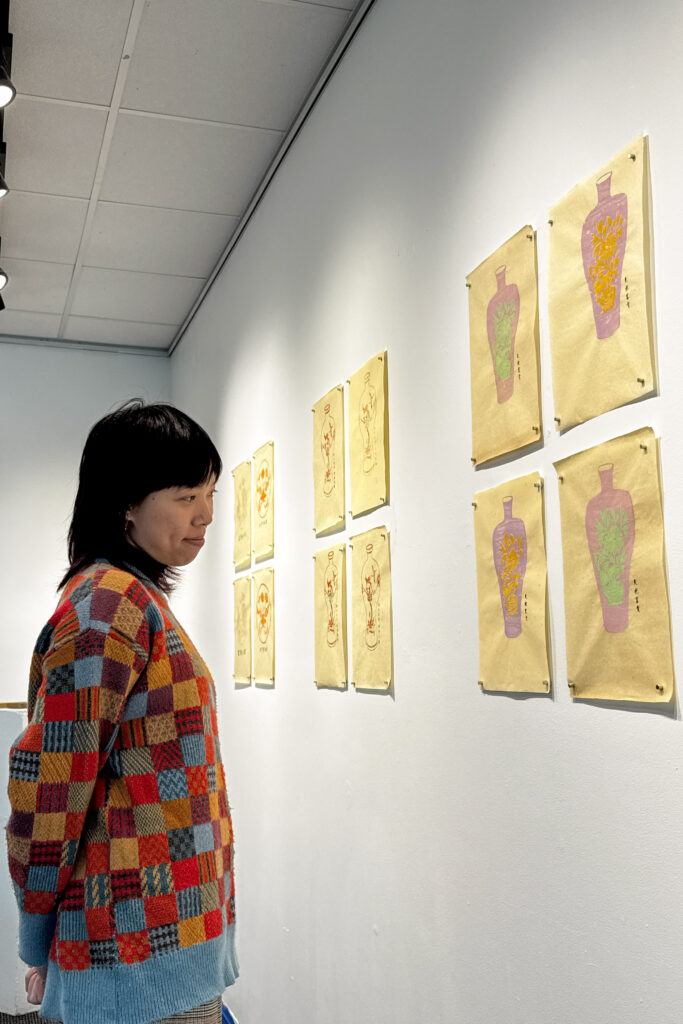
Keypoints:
(120, 837)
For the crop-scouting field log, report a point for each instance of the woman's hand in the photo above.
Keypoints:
(35, 984)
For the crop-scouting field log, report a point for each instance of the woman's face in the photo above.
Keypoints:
(170, 524)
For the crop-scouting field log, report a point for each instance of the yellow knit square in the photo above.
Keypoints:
(124, 854)
(185, 695)
(214, 806)
(55, 767)
(117, 650)
(226, 832)
(22, 794)
(116, 580)
(177, 813)
(110, 704)
(161, 728)
(159, 673)
(49, 826)
(191, 931)
(118, 793)
(127, 619)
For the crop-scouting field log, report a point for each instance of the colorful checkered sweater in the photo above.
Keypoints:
(120, 838)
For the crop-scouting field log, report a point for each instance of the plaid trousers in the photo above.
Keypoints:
(208, 1013)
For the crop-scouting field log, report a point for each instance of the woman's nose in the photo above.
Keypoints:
(204, 514)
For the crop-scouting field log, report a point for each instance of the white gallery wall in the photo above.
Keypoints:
(49, 400)
(439, 854)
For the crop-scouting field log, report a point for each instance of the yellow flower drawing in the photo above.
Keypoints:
(511, 551)
(604, 270)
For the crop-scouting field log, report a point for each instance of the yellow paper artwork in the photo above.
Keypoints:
(371, 610)
(504, 349)
(264, 627)
(264, 519)
(369, 436)
(599, 290)
(242, 619)
(512, 586)
(241, 476)
(616, 600)
(328, 461)
(330, 617)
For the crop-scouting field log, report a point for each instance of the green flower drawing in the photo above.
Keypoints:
(502, 326)
(610, 557)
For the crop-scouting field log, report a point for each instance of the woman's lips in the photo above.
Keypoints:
(197, 541)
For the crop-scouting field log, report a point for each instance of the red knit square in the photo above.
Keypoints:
(185, 873)
(213, 924)
(98, 922)
(197, 781)
(160, 910)
(133, 947)
(97, 859)
(38, 902)
(73, 956)
(143, 788)
(153, 849)
(83, 767)
(60, 707)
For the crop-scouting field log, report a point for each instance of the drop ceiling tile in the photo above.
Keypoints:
(156, 240)
(123, 295)
(186, 165)
(53, 147)
(347, 5)
(19, 323)
(39, 227)
(244, 62)
(36, 286)
(90, 32)
(119, 332)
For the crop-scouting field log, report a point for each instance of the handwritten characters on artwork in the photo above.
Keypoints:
(264, 518)
(603, 245)
(610, 531)
(510, 560)
(369, 436)
(502, 317)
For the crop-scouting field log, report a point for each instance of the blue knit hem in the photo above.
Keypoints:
(141, 993)
(35, 937)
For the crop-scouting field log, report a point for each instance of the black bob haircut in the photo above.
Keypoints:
(128, 454)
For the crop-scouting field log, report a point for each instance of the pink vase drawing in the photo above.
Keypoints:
(603, 244)
(502, 317)
(330, 589)
(370, 586)
(611, 531)
(510, 557)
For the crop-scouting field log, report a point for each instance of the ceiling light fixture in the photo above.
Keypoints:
(3, 279)
(7, 90)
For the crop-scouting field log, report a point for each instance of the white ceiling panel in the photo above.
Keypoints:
(30, 325)
(118, 332)
(346, 5)
(38, 287)
(68, 50)
(156, 240)
(186, 165)
(52, 147)
(123, 295)
(244, 62)
(39, 227)
(117, 218)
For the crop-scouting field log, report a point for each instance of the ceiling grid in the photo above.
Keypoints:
(143, 134)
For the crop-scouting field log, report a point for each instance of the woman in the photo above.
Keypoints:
(120, 838)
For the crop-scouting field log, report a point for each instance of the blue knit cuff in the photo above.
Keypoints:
(35, 937)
